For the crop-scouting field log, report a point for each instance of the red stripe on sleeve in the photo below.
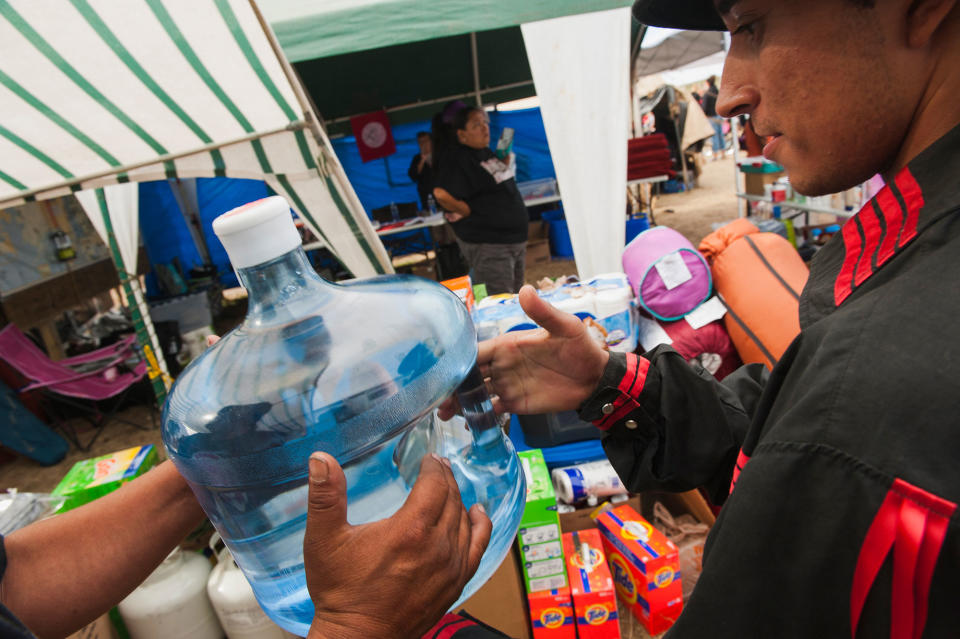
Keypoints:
(893, 214)
(448, 626)
(851, 243)
(630, 388)
(932, 543)
(913, 197)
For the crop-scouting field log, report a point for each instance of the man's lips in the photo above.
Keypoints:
(770, 147)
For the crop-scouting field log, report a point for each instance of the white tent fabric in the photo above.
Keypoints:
(674, 49)
(96, 92)
(585, 103)
(114, 212)
(124, 209)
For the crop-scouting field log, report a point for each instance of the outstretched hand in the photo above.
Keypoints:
(395, 577)
(550, 369)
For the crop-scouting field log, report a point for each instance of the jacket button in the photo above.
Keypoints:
(606, 409)
(631, 424)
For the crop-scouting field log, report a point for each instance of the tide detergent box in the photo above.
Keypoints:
(591, 586)
(463, 288)
(645, 567)
(551, 614)
(92, 478)
(541, 554)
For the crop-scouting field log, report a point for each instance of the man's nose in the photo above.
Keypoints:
(738, 91)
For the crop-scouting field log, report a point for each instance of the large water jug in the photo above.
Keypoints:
(355, 370)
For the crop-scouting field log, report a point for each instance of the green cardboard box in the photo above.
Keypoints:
(93, 478)
(541, 549)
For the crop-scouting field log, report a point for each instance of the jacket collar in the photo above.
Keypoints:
(920, 194)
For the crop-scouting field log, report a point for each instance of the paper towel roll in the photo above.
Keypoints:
(612, 301)
(566, 302)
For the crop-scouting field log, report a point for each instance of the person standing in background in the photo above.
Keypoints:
(421, 169)
(709, 104)
(484, 206)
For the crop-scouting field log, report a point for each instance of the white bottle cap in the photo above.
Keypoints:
(257, 232)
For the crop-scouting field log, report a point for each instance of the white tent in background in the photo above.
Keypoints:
(584, 95)
(97, 93)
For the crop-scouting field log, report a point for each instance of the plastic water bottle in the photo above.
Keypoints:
(431, 204)
(354, 370)
(394, 212)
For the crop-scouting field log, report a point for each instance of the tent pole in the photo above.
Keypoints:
(191, 216)
(476, 68)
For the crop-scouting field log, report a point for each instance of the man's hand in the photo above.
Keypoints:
(550, 369)
(453, 217)
(395, 577)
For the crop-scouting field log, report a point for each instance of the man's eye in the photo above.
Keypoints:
(748, 28)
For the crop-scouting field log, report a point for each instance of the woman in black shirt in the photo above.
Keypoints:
(479, 192)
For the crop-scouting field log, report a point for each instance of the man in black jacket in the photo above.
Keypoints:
(838, 471)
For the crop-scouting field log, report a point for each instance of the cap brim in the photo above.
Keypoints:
(696, 15)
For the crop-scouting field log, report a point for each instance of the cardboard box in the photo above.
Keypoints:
(463, 287)
(753, 183)
(92, 478)
(501, 602)
(591, 586)
(538, 230)
(538, 252)
(645, 567)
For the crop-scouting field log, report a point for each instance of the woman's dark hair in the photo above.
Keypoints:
(444, 127)
(463, 116)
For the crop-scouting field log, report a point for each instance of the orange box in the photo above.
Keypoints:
(591, 586)
(551, 614)
(463, 287)
(645, 567)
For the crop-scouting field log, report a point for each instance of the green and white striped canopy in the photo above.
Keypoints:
(100, 92)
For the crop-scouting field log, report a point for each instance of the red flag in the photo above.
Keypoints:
(373, 134)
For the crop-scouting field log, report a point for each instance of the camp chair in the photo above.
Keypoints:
(78, 382)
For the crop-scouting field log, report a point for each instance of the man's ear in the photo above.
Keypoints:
(924, 17)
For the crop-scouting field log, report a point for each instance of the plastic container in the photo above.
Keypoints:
(354, 370)
(172, 603)
(234, 602)
(552, 429)
(588, 481)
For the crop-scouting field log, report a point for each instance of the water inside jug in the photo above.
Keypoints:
(355, 370)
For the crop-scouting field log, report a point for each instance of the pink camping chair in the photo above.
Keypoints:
(79, 382)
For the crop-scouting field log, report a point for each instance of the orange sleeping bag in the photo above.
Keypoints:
(759, 277)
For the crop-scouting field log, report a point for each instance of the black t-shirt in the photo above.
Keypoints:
(10, 626)
(423, 179)
(710, 102)
(497, 212)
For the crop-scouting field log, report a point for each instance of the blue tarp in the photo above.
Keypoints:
(164, 231)
(380, 182)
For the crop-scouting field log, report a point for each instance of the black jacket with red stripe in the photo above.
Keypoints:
(845, 458)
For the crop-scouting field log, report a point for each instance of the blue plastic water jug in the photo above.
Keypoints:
(355, 370)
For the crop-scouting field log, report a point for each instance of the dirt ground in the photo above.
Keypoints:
(692, 213)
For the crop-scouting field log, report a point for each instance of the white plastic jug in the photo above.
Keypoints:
(234, 602)
(172, 603)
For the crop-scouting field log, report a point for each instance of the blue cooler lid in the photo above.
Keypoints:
(562, 455)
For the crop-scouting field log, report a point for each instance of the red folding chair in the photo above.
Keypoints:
(80, 382)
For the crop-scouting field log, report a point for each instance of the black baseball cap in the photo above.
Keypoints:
(697, 15)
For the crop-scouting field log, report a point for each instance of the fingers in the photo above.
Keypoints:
(449, 408)
(212, 339)
(480, 528)
(540, 311)
(428, 498)
(326, 500)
